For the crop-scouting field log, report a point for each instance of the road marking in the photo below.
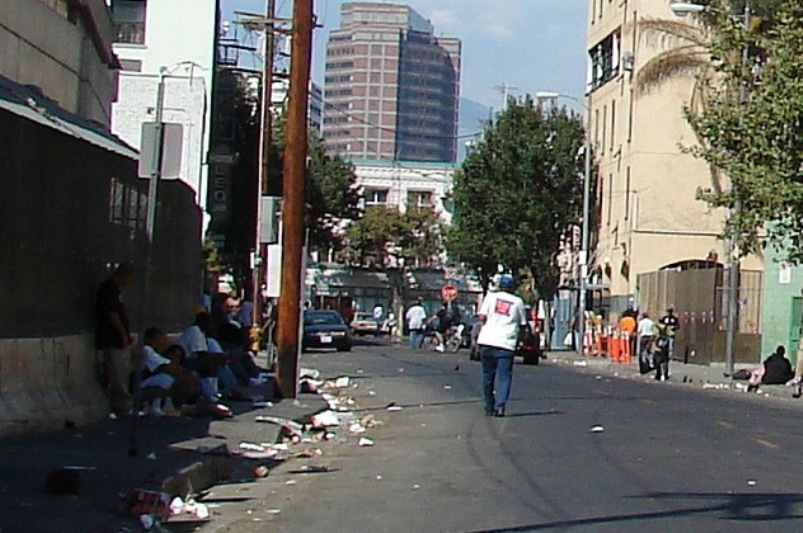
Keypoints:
(726, 425)
(766, 444)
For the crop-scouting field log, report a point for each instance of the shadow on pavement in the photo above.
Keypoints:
(743, 507)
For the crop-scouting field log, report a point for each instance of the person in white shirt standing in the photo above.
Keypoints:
(415, 317)
(503, 315)
(646, 333)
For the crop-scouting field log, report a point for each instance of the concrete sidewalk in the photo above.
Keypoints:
(700, 376)
(169, 460)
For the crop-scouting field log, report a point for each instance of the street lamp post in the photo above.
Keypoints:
(586, 228)
(681, 9)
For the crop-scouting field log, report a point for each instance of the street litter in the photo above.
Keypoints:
(752, 482)
(394, 408)
(360, 371)
(259, 404)
(326, 419)
(252, 447)
(147, 521)
(371, 393)
(580, 363)
(379, 478)
(341, 382)
(151, 456)
(292, 427)
(311, 469)
(401, 370)
(150, 503)
(416, 486)
(598, 377)
(597, 429)
(290, 482)
(309, 373)
(447, 387)
(261, 471)
(714, 386)
(176, 506)
(365, 442)
(356, 428)
(274, 511)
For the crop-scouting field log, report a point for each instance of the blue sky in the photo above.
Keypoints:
(528, 44)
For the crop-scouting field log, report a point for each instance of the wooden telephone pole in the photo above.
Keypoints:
(295, 168)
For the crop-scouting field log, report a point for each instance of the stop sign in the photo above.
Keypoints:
(448, 293)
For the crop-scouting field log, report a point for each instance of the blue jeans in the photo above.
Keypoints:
(416, 338)
(496, 363)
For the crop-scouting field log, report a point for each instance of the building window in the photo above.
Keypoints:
(604, 59)
(613, 124)
(129, 20)
(131, 65)
(419, 199)
(376, 197)
(627, 195)
(127, 206)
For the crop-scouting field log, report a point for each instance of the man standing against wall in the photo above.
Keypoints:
(503, 314)
(113, 338)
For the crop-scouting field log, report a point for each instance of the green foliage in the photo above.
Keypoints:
(518, 193)
(331, 196)
(752, 128)
(385, 233)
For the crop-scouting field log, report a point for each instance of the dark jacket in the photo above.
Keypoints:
(777, 370)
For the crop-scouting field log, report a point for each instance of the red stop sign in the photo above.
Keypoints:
(448, 293)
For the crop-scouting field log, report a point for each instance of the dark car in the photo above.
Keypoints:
(325, 329)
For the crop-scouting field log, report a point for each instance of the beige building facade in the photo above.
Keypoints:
(648, 214)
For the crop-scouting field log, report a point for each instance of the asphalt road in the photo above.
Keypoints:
(670, 458)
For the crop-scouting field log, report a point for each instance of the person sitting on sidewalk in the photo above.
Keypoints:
(157, 380)
(776, 370)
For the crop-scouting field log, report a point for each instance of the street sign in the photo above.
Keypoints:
(448, 293)
(171, 150)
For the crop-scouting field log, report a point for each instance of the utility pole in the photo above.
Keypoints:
(295, 168)
(266, 140)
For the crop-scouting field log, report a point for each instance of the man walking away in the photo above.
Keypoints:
(673, 325)
(661, 352)
(113, 338)
(646, 331)
(416, 317)
(503, 315)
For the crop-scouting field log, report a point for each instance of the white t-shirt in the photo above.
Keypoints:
(645, 327)
(193, 340)
(415, 317)
(152, 360)
(214, 346)
(504, 313)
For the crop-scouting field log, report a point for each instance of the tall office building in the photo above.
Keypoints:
(391, 86)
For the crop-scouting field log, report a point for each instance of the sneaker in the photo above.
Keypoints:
(441, 348)
(156, 411)
(499, 413)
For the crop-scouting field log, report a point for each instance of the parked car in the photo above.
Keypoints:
(325, 329)
(364, 324)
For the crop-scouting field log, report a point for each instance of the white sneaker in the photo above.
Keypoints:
(155, 410)
(441, 348)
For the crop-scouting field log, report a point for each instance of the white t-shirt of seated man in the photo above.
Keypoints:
(504, 314)
(193, 341)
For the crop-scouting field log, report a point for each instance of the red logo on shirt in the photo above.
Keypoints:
(503, 307)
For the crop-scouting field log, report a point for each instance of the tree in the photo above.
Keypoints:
(332, 197)
(518, 193)
(385, 236)
(752, 126)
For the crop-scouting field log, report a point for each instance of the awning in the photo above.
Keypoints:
(30, 105)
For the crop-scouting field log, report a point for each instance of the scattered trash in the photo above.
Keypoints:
(379, 478)
(309, 373)
(202, 512)
(311, 469)
(261, 471)
(356, 428)
(360, 371)
(326, 419)
(151, 456)
(447, 387)
(365, 442)
(597, 429)
(342, 382)
(416, 486)
(147, 522)
(752, 482)
(112, 416)
(274, 511)
(580, 363)
(371, 393)
(401, 370)
(395, 408)
(176, 506)
(150, 503)
(714, 386)
(251, 446)
(290, 482)
(598, 377)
